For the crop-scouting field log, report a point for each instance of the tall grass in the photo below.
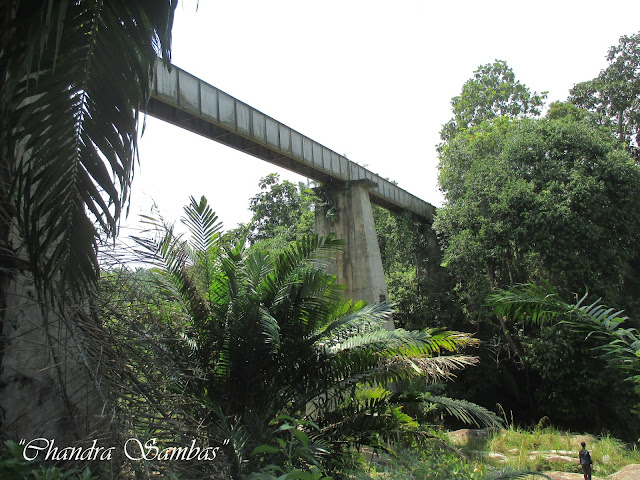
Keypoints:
(547, 448)
(540, 449)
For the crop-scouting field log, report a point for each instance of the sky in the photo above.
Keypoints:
(371, 80)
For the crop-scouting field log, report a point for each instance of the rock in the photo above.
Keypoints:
(565, 476)
(466, 435)
(555, 458)
(498, 457)
(630, 472)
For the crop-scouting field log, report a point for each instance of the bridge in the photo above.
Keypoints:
(190, 103)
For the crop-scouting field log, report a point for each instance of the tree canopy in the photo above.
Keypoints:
(492, 92)
(538, 200)
(281, 210)
(614, 95)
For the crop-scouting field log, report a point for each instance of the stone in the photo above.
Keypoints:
(630, 472)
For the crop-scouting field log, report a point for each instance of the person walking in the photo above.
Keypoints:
(585, 461)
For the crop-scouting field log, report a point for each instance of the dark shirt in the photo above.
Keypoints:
(585, 457)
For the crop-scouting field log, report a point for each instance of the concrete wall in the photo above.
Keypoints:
(359, 267)
(46, 389)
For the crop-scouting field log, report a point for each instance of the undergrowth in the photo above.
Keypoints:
(501, 453)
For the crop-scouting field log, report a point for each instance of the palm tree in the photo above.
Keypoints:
(272, 336)
(74, 75)
(72, 78)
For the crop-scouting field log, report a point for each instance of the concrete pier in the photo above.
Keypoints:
(188, 102)
(359, 266)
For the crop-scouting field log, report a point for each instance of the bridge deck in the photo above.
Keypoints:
(186, 101)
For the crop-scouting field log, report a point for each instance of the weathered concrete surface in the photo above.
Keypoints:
(359, 267)
(45, 388)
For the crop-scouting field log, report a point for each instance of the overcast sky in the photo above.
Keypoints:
(369, 79)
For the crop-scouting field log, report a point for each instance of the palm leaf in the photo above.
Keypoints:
(69, 123)
(399, 341)
(465, 411)
(535, 304)
(620, 346)
(309, 249)
(353, 318)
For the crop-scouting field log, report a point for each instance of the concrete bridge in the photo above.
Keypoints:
(186, 101)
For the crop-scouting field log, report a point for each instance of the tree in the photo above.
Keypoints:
(420, 289)
(614, 95)
(281, 210)
(492, 92)
(534, 200)
(273, 339)
(598, 324)
(530, 199)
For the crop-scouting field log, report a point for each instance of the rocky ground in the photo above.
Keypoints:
(465, 436)
(630, 472)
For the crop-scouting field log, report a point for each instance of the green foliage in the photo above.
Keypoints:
(66, 184)
(561, 361)
(272, 336)
(13, 466)
(439, 461)
(493, 92)
(614, 96)
(299, 457)
(282, 211)
(538, 448)
(530, 199)
(420, 289)
(618, 345)
(466, 412)
(535, 200)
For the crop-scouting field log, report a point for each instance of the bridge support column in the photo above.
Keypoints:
(359, 267)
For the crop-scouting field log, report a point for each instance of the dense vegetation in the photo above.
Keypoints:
(550, 200)
(243, 341)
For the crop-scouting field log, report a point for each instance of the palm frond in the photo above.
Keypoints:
(203, 225)
(353, 318)
(436, 369)
(69, 123)
(205, 244)
(465, 411)
(528, 302)
(270, 330)
(399, 341)
(535, 303)
(309, 249)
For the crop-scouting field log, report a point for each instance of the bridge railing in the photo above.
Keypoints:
(184, 100)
